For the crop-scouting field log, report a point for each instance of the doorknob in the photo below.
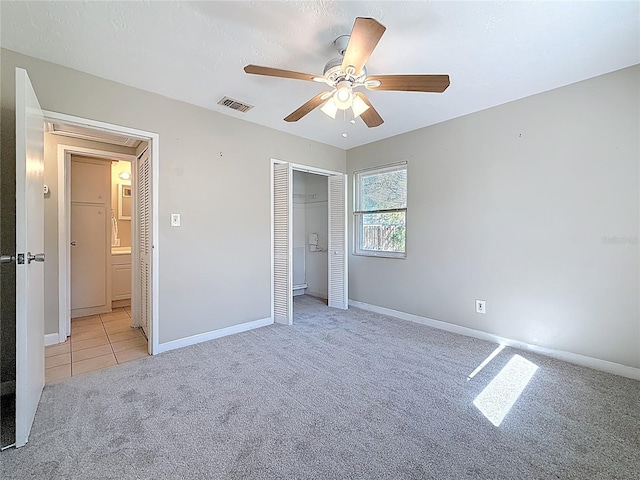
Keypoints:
(7, 258)
(38, 257)
(73, 244)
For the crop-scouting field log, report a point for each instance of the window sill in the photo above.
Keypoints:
(399, 256)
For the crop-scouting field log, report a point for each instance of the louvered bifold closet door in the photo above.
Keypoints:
(144, 239)
(282, 240)
(338, 297)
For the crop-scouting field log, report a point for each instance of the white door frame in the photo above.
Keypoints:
(64, 158)
(307, 169)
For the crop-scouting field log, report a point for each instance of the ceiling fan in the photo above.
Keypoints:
(348, 72)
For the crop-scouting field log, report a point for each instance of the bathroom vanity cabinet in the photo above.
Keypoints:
(120, 277)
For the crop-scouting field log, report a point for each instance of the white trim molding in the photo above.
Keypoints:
(582, 360)
(205, 337)
(52, 339)
(312, 293)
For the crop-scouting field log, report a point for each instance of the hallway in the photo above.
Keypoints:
(96, 342)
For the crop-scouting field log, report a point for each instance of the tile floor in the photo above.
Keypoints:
(97, 341)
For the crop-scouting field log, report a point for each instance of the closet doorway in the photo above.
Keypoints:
(310, 234)
(308, 213)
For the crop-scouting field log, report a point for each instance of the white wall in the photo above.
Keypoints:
(532, 206)
(214, 171)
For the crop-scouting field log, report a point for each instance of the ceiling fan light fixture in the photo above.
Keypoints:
(359, 106)
(343, 97)
(348, 71)
(329, 108)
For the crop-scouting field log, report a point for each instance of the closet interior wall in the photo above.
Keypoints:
(310, 233)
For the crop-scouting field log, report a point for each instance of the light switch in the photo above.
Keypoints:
(175, 219)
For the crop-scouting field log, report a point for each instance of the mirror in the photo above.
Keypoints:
(124, 202)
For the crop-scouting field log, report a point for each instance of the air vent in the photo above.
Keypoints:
(235, 104)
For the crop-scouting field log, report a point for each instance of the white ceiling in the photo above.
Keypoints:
(495, 52)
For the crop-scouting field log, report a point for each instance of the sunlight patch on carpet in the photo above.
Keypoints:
(486, 361)
(503, 391)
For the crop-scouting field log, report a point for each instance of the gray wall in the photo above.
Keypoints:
(520, 205)
(214, 170)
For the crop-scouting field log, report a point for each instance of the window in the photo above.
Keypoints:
(380, 211)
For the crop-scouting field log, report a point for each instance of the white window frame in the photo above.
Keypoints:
(358, 213)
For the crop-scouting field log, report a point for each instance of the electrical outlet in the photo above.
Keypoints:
(481, 306)
(175, 219)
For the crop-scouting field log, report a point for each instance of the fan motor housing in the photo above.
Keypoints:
(334, 74)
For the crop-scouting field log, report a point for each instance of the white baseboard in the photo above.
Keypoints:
(595, 363)
(316, 294)
(51, 339)
(204, 337)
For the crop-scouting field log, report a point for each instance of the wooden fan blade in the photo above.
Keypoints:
(306, 108)
(364, 37)
(410, 83)
(370, 116)
(276, 72)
